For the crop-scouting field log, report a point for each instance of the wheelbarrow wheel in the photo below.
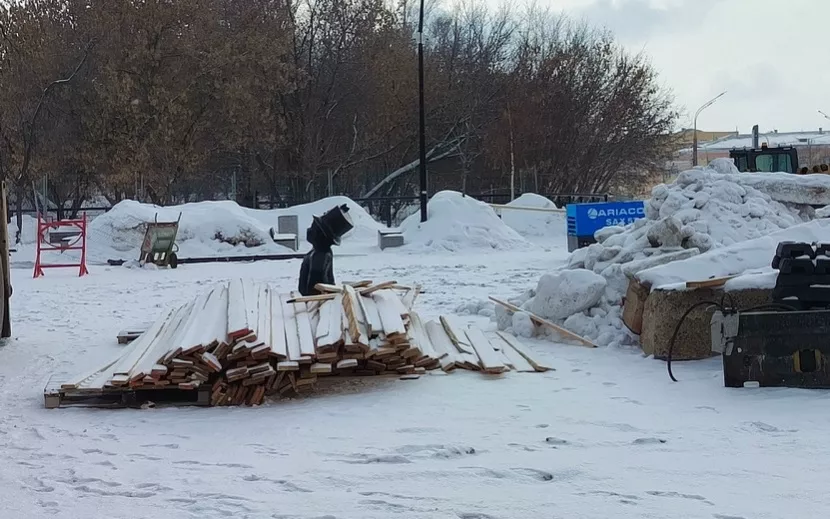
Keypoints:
(174, 260)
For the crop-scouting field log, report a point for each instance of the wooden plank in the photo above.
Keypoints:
(126, 363)
(288, 365)
(304, 332)
(516, 360)
(251, 294)
(279, 344)
(390, 318)
(263, 326)
(543, 322)
(329, 331)
(354, 313)
(292, 340)
(347, 363)
(237, 316)
(308, 299)
(457, 334)
(410, 296)
(373, 324)
(709, 283)
(320, 367)
(523, 351)
(391, 298)
(447, 353)
(162, 345)
(416, 327)
(367, 291)
(634, 304)
(490, 360)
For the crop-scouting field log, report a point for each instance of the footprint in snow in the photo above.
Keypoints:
(648, 441)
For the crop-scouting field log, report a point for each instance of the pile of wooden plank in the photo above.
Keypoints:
(243, 341)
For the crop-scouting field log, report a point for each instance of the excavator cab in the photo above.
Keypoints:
(765, 159)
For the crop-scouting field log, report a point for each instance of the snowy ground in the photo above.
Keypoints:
(605, 435)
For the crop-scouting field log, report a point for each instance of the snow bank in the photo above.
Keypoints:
(456, 222)
(206, 229)
(741, 257)
(711, 221)
(536, 225)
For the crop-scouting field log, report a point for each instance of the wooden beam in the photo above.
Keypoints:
(543, 322)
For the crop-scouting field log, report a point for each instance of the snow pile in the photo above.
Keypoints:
(705, 209)
(364, 234)
(28, 235)
(456, 222)
(535, 224)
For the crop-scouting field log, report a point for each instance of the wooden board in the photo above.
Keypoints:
(419, 333)
(354, 314)
(445, 350)
(237, 316)
(329, 330)
(544, 322)
(304, 332)
(250, 291)
(292, 340)
(709, 283)
(490, 360)
(514, 359)
(390, 317)
(523, 351)
(279, 344)
(140, 346)
(411, 295)
(457, 333)
(264, 313)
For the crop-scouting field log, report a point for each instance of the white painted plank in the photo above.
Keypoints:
(490, 359)
(523, 351)
(448, 354)
(237, 316)
(279, 346)
(390, 318)
(292, 340)
(517, 361)
(304, 334)
(409, 297)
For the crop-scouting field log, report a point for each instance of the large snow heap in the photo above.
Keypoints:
(456, 222)
(704, 209)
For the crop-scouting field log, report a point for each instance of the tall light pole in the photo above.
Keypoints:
(421, 118)
(706, 105)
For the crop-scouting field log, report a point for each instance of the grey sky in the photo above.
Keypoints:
(772, 56)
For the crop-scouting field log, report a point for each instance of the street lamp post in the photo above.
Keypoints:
(706, 105)
(421, 118)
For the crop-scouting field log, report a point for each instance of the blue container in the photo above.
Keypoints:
(586, 219)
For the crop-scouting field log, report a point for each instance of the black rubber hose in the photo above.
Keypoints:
(677, 329)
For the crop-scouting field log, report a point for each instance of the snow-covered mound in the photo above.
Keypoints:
(705, 209)
(549, 226)
(206, 229)
(456, 222)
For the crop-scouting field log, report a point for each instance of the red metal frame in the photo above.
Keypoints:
(43, 245)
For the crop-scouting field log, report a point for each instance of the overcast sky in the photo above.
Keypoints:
(771, 56)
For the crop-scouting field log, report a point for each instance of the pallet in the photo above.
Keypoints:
(54, 397)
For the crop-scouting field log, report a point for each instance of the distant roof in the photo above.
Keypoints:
(799, 139)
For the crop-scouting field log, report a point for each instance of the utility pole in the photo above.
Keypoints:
(421, 117)
(706, 105)
(824, 115)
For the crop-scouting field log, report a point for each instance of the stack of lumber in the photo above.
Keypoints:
(243, 341)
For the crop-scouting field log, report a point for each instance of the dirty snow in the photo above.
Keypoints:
(695, 219)
(605, 435)
(458, 223)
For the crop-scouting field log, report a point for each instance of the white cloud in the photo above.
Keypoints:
(771, 56)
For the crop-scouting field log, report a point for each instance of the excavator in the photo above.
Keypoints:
(764, 159)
